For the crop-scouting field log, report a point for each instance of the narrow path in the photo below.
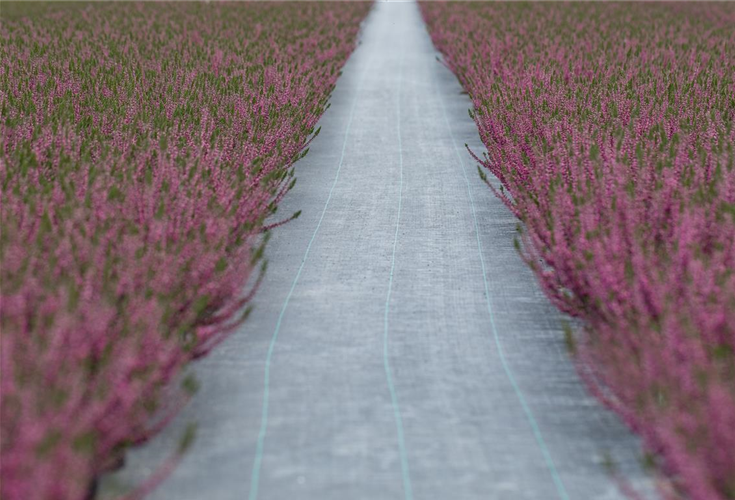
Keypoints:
(399, 347)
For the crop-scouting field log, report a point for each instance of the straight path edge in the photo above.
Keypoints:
(548, 459)
(257, 463)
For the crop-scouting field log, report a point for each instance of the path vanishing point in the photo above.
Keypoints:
(399, 347)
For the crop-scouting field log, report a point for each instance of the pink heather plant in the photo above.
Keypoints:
(142, 147)
(611, 128)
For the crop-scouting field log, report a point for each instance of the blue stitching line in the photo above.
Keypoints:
(255, 477)
(527, 410)
(407, 489)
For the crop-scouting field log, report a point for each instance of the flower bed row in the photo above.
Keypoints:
(611, 128)
(143, 145)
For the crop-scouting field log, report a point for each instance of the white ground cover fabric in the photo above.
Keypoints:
(408, 350)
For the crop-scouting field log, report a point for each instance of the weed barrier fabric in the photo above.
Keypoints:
(394, 133)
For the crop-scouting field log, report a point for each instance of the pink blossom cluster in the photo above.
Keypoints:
(611, 128)
(142, 147)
